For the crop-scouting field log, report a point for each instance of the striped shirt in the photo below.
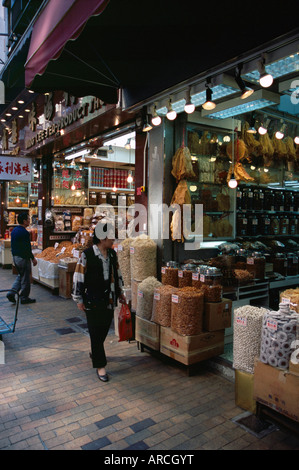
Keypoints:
(79, 277)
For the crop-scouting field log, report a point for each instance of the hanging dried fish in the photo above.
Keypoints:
(240, 150)
(253, 145)
(182, 164)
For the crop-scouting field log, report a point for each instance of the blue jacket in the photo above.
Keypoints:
(20, 243)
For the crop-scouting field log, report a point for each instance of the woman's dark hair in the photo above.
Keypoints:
(22, 216)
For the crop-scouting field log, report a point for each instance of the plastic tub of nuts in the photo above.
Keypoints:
(162, 305)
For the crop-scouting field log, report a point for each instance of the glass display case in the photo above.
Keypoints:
(210, 165)
(17, 196)
(69, 185)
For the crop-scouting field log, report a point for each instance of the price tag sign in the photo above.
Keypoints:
(157, 296)
(195, 276)
(175, 298)
(241, 321)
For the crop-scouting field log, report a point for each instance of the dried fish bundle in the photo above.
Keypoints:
(240, 150)
(253, 145)
(290, 148)
(182, 164)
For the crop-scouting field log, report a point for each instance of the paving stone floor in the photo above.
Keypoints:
(50, 397)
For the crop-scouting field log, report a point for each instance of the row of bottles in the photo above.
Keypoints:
(267, 200)
(266, 224)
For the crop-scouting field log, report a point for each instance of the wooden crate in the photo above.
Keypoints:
(147, 333)
(65, 283)
(191, 349)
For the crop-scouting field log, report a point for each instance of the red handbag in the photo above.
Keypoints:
(125, 332)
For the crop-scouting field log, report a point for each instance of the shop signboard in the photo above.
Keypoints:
(15, 169)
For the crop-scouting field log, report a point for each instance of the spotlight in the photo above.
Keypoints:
(110, 149)
(156, 119)
(189, 107)
(209, 104)
(246, 92)
(296, 140)
(147, 127)
(266, 79)
(128, 144)
(171, 114)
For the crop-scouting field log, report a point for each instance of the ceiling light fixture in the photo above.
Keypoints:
(246, 91)
(156, 119)
(171, 114)
(128, 144)
(110, 149)
(146, 126)
(296, 140)
(208, 104)
(266, 78)
(189, 107)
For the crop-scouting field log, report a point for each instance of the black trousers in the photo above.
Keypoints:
(99, 319)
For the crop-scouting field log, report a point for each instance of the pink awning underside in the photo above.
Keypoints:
(59, 22)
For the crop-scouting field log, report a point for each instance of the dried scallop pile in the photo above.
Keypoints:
(278, 334)
(143, 258)
(124, 261)
(248, 321)
(162, 305)
(145, 297)
(187, 311)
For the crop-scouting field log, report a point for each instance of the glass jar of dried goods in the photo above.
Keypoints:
(169, 273)
(185, 275)
(280, 264)
(256, 265)
(212, 284)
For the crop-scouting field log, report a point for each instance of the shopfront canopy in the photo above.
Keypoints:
(95, 47)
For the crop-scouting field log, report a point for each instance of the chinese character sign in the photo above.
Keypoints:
(15, 168)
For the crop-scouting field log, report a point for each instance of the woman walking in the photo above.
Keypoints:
(97, 285)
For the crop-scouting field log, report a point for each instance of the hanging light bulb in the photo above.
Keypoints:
(209, 104)
(279, 134)
(262, 130)
(233, 183)
(266, 78)
(73, 187)
(130, 177)
(296, 140)
(156, 119)
(171, 114)
(189, 107)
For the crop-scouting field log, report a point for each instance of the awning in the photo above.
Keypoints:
(143, 47)
(58, 23)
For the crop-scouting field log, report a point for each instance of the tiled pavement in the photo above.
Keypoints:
(50, 397)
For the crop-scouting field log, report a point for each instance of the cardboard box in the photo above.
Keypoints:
(134, 293)
(52, 283)
(217, 315)
(244, 391)
(191, 349)
(294, 368)
(276, 388)
(147, 333)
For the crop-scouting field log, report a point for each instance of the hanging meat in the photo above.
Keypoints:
(182, 164)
